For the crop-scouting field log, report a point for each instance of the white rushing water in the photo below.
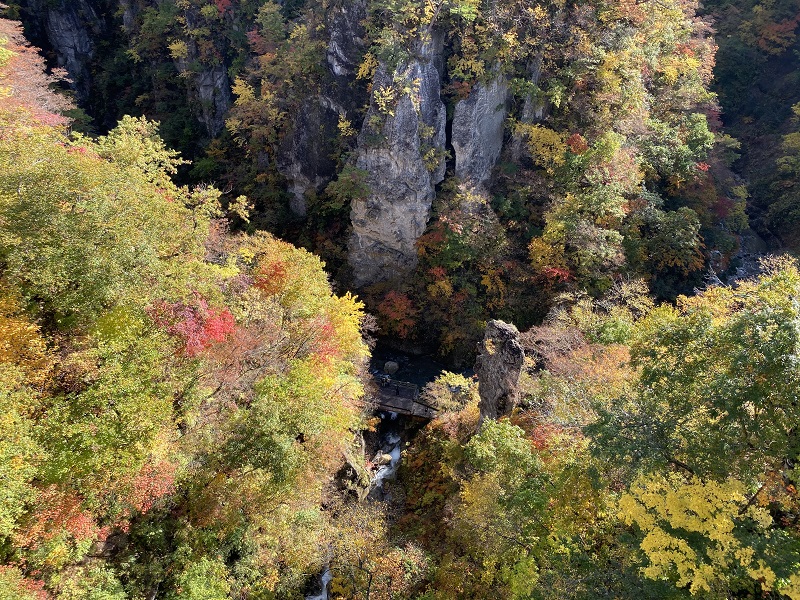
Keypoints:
(392, 443)
(325, 579)
(392, 446)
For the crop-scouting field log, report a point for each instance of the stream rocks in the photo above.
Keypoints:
(401, 152)
(498, 367)
(353, 478)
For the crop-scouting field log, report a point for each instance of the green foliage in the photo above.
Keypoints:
(204, 579)
(713, 407)
(65, 240)
(351, 184)
(171, 394)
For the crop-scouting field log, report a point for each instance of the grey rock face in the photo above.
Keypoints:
(209, 89)
(307, 157)
(478, 131)
(401, 152)
(70, 26)
(213, 90)
(534, 110)
(346, 44)
(498, 366)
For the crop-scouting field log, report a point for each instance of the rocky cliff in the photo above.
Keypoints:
(401, 149)
(498, 366)
(307, 158)
(478, 127)
(70, 30)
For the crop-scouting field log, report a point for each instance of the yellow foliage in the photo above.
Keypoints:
(545, 255)
(368, 67)
(20, 341)
(385, 98)
(345, 127)
(546, 146)
(671, 510)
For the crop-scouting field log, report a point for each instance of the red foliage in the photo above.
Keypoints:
(150, 484)
(438, 273)
(58, 511)
(198, 326)
(29, 587)
(223, 6)
(541, 436)
(714, 118)
(460, 89)
(577, 143)
(398, 313)
(776, 37)
(723, 207)
(325, 346)
(257, 42)
(430, 242)
(271, 278)
(557, 274)
(701, 166)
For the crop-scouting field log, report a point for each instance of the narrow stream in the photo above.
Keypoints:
(415, 369)
(391, 443)
(324, 580)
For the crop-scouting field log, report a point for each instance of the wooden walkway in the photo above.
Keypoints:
(401, 397)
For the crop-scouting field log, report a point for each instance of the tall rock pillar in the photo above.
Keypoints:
(498, 366)
(401, 150)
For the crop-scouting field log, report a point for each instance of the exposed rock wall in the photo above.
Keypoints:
(478, 128)
(401, 149)
(498, 366)
(209, 90)
(346, 44)
(70, 28)
(534, 110)
(307, 157)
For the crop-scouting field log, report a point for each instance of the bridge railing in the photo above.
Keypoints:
(387, 383)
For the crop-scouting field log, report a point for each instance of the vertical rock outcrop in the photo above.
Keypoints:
(212, 91)
(209, 90)
(534, 109)
(346, 43)
(307, 157)
(478, 131)
(69, 28)
(498, 366)
(401, 150)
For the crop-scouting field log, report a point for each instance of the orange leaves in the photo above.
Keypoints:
(271, 277)
(151, 483)
(577, 144)
(398, 314)
(58, 510)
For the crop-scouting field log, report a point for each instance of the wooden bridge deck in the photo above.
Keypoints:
(401, 397)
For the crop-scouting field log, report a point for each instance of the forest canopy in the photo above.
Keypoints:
(212, 209)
